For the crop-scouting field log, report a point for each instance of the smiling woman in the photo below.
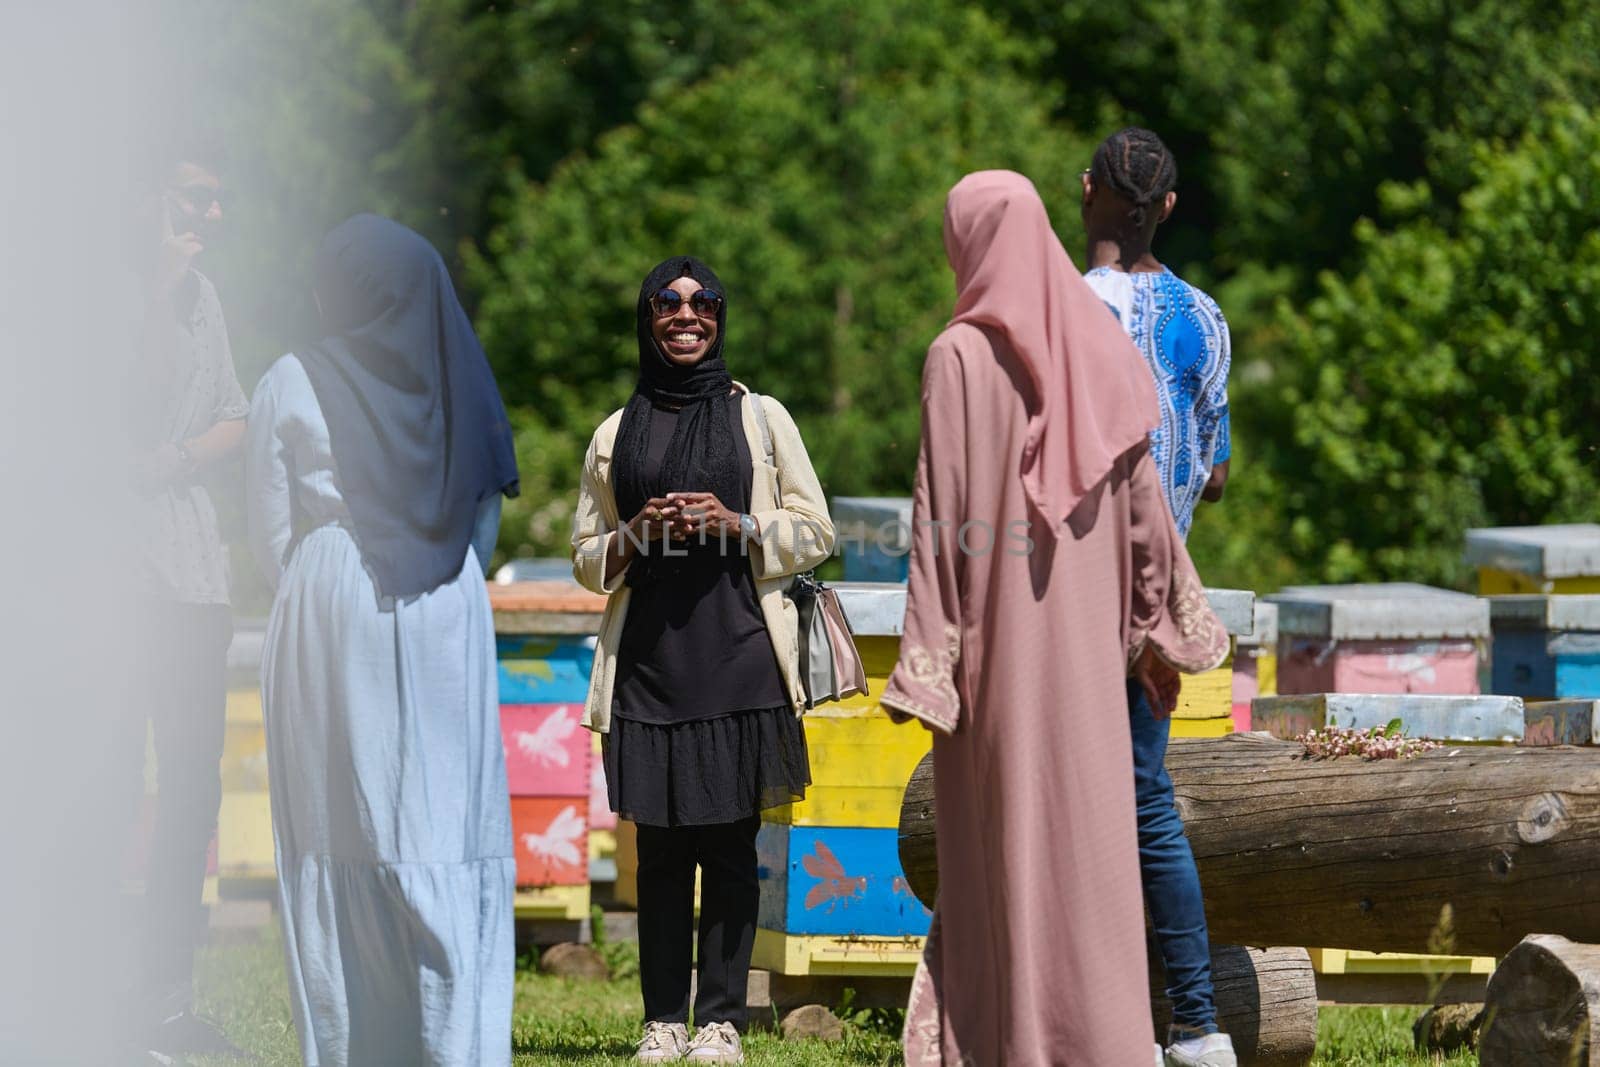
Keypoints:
(696, 679)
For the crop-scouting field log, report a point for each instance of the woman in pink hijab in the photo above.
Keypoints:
(1045, 570)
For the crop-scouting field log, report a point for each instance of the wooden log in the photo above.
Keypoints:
(1463, 850)
(1543, 1001)
(1266, 1001)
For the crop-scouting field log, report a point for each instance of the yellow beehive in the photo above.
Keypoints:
(244, 824)
(1205, 703)
(1351, 961)
(1267, 673)
(859, 771)
(813, 954)
(570, 902)
(1494, 582)
(878, 655)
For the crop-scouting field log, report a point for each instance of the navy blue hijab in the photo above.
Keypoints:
(418, 430)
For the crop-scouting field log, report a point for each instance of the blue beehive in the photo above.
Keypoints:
(1546, 647)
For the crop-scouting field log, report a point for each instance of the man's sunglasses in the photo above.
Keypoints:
(706, 303)
(198, 198)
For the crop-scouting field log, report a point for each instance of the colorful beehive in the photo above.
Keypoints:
(1255, 663)
(1205, 701)
(874, 537)
(544, 636)
(1546, 647)
(1561, 722)
(1536, 559)
(834, 899)
(1394, 637)
(1459, 719)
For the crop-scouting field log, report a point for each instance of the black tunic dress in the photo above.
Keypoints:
(702, 730)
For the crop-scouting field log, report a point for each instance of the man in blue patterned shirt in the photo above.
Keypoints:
(1127, 193)
(1178, 329)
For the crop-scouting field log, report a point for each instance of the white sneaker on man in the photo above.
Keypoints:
(1161, 1056)
(663, 1042)
(1212, 1050)
(716, 1043)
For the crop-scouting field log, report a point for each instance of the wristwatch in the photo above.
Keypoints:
(748, 528)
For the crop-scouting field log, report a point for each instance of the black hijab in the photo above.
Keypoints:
(418, 431)
(702, 456)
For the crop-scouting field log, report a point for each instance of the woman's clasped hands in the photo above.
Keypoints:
(682, 516)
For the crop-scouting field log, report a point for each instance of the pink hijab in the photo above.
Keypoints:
(1093, 397)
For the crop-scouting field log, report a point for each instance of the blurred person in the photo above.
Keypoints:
(186, 415)
(1036, 409)
(375, 458)
(692, 530)
(1129, 190)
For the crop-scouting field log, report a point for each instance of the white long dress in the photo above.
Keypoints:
(388, 781)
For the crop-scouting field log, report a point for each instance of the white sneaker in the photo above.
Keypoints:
(663, 1042)
(1212, 1050)
(1161, 1057)
(716, 1043)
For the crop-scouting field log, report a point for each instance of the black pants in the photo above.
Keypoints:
(729, 896)
(180, 688)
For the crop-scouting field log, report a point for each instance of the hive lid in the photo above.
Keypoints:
(1556, 551)
(1236, 609)
(1264, 632)
(547, 607)
(1379, 611)
(1443, 718)
(874, 609)
(1571, 613)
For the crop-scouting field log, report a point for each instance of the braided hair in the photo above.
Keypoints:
(1136, 164)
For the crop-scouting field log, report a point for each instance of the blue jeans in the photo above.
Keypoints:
(1171, 882)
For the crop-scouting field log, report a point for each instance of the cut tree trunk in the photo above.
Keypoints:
(1266, 1001)
(1543, 1000)
(1463, 850)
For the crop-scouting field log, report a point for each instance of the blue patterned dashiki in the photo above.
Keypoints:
(1183, 337)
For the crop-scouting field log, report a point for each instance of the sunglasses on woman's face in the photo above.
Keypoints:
(706, 303)
(198, 198)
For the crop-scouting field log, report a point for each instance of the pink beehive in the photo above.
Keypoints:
(1394, 637)
(547, 752)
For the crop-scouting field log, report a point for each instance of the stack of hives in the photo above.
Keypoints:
(1205, 701)
(1544, 583)
(1387, 637)
(544, 636)
(1255, 663)
(834, 900)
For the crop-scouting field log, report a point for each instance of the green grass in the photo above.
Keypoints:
(596, 1023)
(1374, 1037)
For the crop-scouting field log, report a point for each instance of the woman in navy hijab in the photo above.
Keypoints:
(373, 457)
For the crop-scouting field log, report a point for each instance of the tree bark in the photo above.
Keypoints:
(1543, 1000)
(1463, 850)
(1266, 1001)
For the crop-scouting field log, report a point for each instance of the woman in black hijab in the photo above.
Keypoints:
(372, 458)
(696, 683)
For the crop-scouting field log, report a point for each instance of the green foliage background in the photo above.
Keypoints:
(1393, 201)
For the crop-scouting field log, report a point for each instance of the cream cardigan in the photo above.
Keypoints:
(795, 537)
